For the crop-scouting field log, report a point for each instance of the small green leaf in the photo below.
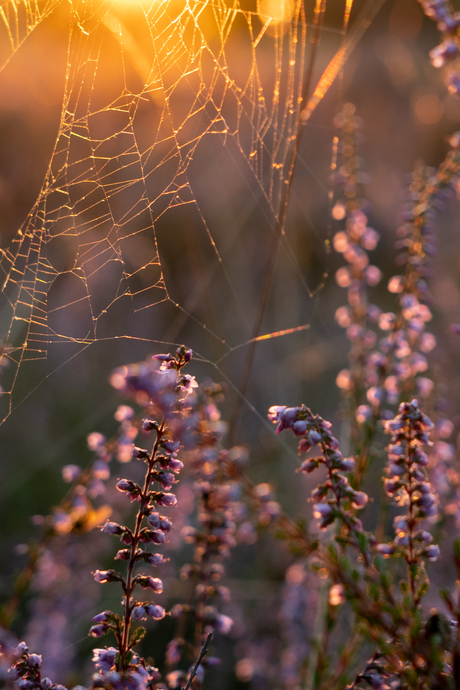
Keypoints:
(137, 636)
(422, 590)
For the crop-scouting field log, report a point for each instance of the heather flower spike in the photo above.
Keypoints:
(335, 498)
(160, 387)
(407, 484)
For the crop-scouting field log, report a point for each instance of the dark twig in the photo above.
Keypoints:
(203, 651)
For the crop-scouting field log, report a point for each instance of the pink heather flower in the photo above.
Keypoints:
(166, 479)
(166, 500)
(153, 582)
(375, 395)
(112, 528)
(299, 427)
(175, 465)
(432, 552)
(156, 558)
(154, 519)
(140, 453)
(104, 659)
(102, 617)
(385, 550)
(156, 536)
(123, 555)
(138, 613)
(95, 440)
(34, 659)
(347, 464)
(363, 414)
(373, 275)
(322, 510)
(444, 52)
(171, 446)
(223, 623)
(124, 485)
(123, 413)
(70, 473)
(101, 576)
(359, 499)
(275, 411)
(156, 612)
(98, 630)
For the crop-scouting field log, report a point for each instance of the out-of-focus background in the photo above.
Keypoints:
(143, 152)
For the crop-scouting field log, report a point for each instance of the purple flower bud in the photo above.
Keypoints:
(102, 617)
(170, 446)
(123, 555)
(385, 549)
(156, 612)
(125, 485)
(105, 576)
(314, 437)
(447, 50)
(359, 499)
(424, 537)
(300, 427)
(21, 649)
(149, 424)
(153, 535)
(166, 479)
(163, 358)
(98, 630)
(275, 411)
(112, 528)
(309, 465)
(70, 473)
(347, 464)
(95, 440)
(223, 623)
(156, 558)
(391, 486)
(123, 413)
(322, 510)
(138, 613)
(140, 453)
(153, 582)
(166, 500)
(104, 659)
(154, 519)
(34, 660)
(165, 524)
(432, 552)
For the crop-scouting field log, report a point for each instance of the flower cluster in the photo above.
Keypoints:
(138, 675)
(335, 498)
(397, 367)
(26, 670)
(161, 388)
(407, 484)
(354, 243)
(218, 508)
(447, 52)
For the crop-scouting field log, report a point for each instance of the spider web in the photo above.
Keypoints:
(147, 87)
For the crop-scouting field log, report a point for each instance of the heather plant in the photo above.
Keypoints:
(360, 603)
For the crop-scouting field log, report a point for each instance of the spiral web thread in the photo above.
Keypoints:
(195, 74)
